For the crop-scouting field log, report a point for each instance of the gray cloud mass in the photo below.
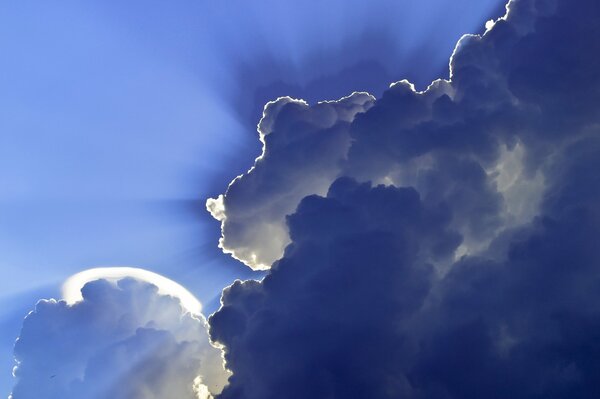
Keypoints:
(433, 245)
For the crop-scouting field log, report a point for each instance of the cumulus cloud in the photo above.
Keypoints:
(123, 339)
(303, 148)
(443, 244)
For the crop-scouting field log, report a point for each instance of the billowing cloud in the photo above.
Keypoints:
(303, 150)
(123, 339)
(445, 246)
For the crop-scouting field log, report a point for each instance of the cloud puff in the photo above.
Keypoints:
(303, 148)
(449, 249)
(122, 340)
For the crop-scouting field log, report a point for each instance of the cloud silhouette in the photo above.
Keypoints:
(123, 340)
(445, 246)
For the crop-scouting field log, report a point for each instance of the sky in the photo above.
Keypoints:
(392, 227)
(119, 120)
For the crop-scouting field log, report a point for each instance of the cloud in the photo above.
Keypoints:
(72, 293)
(445, 245)
(123, 339)
(292, 133)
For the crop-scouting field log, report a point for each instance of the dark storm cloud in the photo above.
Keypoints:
(123, 341)
(454, 254)
(356, 269)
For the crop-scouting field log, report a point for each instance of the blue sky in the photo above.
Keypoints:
(120, 118)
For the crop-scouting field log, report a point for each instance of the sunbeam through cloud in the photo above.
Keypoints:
(330, 199)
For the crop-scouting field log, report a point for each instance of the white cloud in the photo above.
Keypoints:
(125, 338)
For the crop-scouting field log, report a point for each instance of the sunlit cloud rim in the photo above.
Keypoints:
(71, 288)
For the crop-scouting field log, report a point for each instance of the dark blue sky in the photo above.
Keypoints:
(120, 118)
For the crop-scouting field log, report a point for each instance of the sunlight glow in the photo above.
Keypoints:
(71, 289)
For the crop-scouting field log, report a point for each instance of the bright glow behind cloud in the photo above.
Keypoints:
(126, 338)
(71, 289)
